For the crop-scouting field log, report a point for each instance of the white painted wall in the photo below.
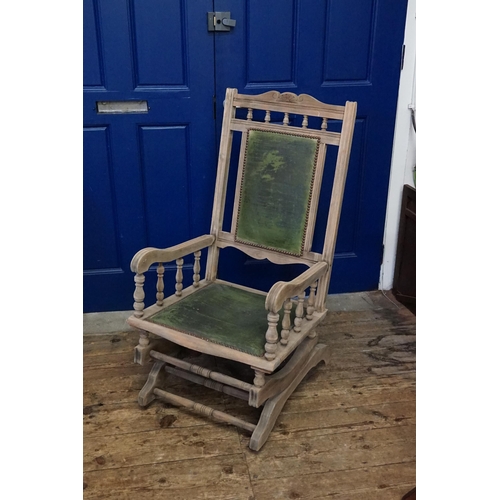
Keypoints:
(404, 152)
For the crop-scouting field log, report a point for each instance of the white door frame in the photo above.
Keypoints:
(403, 153)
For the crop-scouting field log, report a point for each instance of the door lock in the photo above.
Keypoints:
(220, 21)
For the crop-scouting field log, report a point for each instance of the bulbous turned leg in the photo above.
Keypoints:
(259, 380)
(141, 351)
(272, 335)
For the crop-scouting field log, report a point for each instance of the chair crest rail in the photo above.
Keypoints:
(331, 138)
(290, 103)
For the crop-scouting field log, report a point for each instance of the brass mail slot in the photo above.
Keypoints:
(120, 107)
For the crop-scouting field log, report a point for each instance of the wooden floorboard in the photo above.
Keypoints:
(347, 432)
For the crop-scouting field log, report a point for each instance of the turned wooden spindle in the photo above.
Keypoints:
(202, 371)
(250, 114)
(143, 339)
(310, 303)
(139, 295)
(141, 351)
(272, 335)
(196, 269)
(160, 271)
(211, 384)
(305, 121)
(259, 380)
(299, 313)
(286, 119)
(285, 324)
(178, 277)
(267, 118)
(202, 409)
(324, 124)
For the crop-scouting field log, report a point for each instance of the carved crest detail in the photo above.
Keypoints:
(288, 97)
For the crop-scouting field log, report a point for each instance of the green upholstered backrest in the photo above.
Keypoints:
(276, 187)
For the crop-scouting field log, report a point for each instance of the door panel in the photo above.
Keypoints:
(92, 68)
(156, 33)
(99, 220)
(335, 50)
(347, 41)
(148, 177)
(276, 63)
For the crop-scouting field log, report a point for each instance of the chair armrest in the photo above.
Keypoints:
(144, 258)
(283, 290)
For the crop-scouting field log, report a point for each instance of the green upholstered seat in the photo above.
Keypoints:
(222, 314)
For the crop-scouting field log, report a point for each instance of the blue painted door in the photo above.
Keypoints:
(335, 50)
(149, 177)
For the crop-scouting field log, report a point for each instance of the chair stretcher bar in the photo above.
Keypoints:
(204, 372)
(217, 386)
(203, 410)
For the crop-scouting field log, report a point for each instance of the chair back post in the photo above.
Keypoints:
(226, 142)
(336, 200)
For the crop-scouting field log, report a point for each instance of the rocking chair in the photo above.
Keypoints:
(271, 334)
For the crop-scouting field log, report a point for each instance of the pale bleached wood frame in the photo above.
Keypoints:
(272, 101)
(271, 389)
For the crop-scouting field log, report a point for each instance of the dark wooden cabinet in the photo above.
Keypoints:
(405, 280)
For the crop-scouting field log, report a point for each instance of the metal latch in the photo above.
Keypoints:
(220, 21)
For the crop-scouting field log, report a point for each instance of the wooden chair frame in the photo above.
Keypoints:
(298, 342)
